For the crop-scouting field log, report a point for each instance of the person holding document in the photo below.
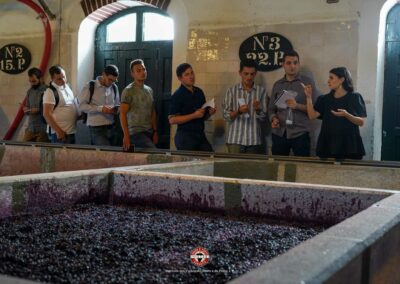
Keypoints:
(189, 110)
(100, 99)
(289, 121)
(245, 107)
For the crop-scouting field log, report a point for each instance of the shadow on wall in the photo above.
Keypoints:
(4, 123)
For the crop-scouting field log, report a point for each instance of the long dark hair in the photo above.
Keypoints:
(342, 72)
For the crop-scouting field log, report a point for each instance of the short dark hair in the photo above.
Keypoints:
(291, 53)
(35, 72)
(248, 63)
(55, 69)
(136, 62)
(182, 68)
(111, 70)
(343, 72)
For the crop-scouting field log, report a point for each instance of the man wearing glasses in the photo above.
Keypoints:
(99, 99)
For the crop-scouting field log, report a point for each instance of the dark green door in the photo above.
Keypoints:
(156, 54)
(391, 94)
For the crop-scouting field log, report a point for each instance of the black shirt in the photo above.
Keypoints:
(339, 137)
(184, 102)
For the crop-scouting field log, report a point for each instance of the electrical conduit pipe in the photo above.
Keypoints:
(43, 64)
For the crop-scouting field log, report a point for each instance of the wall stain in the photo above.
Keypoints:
(47, 160)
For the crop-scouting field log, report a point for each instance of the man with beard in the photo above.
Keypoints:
(291, 125)
(36, 130)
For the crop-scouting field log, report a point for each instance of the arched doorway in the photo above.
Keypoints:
(145, 33)
(391, 92)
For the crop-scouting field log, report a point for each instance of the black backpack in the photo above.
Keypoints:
(56, 97)
(91, 92)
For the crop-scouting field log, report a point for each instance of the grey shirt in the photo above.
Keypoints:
(301, 123)
(140, 101)
(34, 97)
(102, 96)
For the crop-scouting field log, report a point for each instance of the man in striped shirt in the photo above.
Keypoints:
(245, 106)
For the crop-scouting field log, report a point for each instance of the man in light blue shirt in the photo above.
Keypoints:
(101, 106)
(245, 106)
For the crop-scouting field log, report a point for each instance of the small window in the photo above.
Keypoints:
(157, 27)
(122, 29)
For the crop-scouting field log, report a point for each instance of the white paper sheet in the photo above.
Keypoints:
(280, 101)
(210, 103)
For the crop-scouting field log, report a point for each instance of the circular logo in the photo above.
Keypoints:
(199, 256)
(14, 58)
(267, 49)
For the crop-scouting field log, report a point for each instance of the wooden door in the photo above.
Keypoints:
(391, 94)
(157, 56)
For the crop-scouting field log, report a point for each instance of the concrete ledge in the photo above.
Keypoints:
(20, 160)
(362, 249)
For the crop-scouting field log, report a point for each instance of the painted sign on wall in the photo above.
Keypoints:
(14, 58)
(267, 49)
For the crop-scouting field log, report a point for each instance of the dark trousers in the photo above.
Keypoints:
(300, 145)
(142, 139)
(242, 149)
(192, 141)
(101, 135)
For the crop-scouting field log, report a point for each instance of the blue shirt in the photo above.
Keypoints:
(184, 102)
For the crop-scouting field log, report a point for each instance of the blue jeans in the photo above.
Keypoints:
(142, 139)
(101, 135)
(69, 139)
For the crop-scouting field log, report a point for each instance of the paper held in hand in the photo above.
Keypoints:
(241, 102)
(210, 103)
(280, 101)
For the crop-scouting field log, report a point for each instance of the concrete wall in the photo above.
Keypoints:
(327, 173)
(364, 248)
(20, 160)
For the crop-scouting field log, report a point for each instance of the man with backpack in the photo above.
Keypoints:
(36, 129)
(99, 101)
(60, 107)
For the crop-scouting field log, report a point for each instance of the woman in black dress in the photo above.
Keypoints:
(342, 112)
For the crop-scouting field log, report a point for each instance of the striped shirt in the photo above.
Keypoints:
(244, 129)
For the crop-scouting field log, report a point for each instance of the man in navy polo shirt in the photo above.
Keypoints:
(186, 111)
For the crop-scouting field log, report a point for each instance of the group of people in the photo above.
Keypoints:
(107, 114)
(294, 101)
